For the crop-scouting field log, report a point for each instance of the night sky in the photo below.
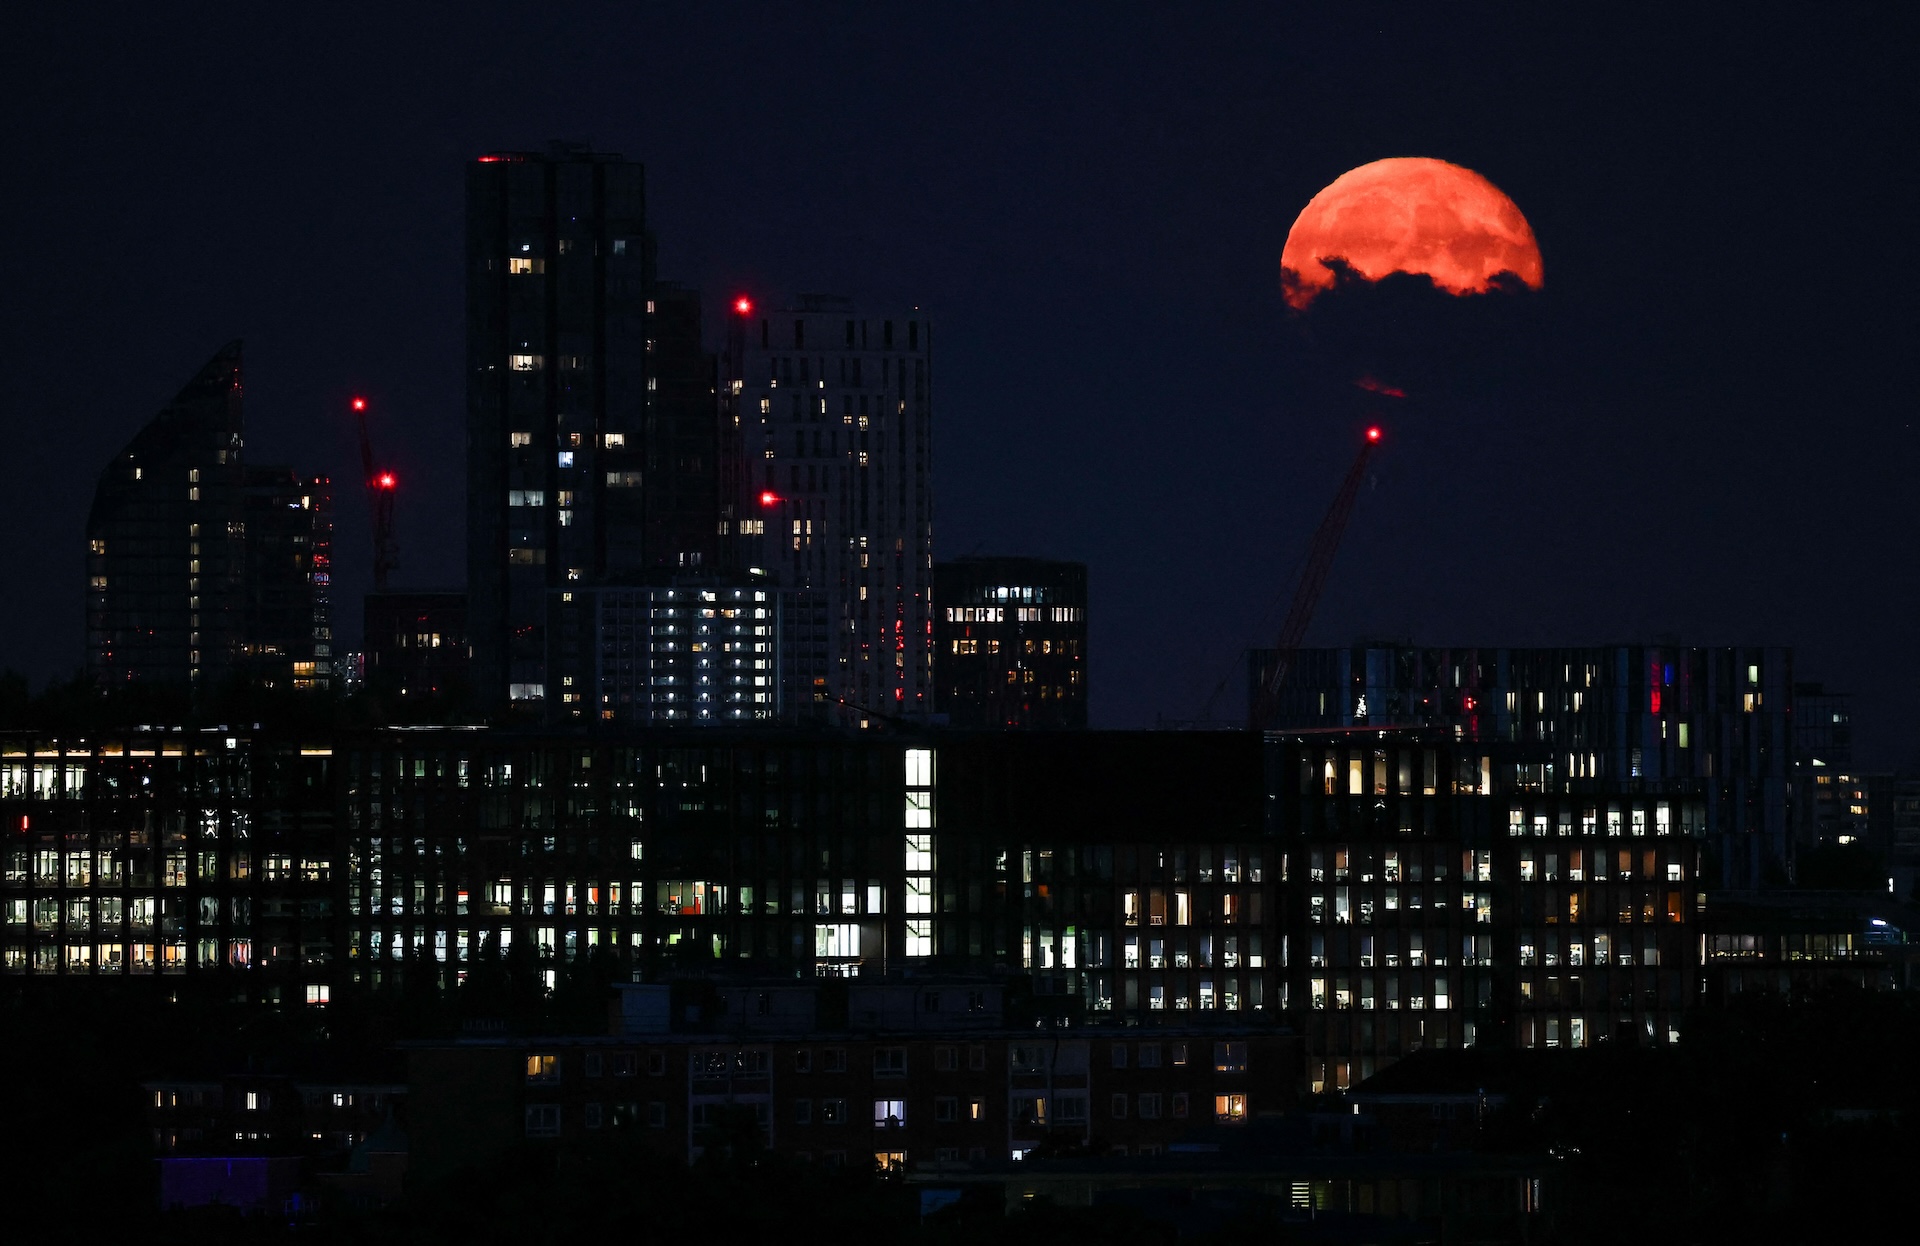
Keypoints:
(1702, 427)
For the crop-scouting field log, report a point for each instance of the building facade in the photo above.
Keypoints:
(165, 552)
(1621, 714)
(834, 413)
(890, 1074)
(200, 568)
(592, 434)
(287, 615)
(1376, 892)
(1010, 642)
(693, 651)
(416, 645)
(196, 859)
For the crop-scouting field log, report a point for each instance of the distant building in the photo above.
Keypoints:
(1720, 718)
(1903, 835)
(585, 379)
(1830, 795)
(689, 652)
(416, 644)
(200, 568)
(835, 412)
(287, 616)
(889, 1074)
(1010, 642)
(1377, 891)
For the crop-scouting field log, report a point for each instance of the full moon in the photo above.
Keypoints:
(1409, 215)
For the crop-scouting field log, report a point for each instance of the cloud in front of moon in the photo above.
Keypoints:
(1409, 214)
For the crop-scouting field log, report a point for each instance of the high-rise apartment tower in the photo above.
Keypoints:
(833, 412)
(592, 433)
(200, 568)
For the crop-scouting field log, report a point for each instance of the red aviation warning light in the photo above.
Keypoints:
(769, 498)
(1373, 434)
(359, 404)
(743, 305)
(386, 480)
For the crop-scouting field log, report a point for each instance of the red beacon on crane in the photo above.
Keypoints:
(743, 305)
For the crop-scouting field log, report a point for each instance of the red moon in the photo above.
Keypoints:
(1409, 215)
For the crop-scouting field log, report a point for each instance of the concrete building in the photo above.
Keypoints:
(835, 416)
(1720, 719)
(1010, 642)
(592, 433)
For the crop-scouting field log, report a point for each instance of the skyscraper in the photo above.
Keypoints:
(592, 435)
(163, 559)
(834, 411)
(1010, 642)
(199, 568)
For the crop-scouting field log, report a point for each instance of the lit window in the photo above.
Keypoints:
(521, 265)
(520, 439)
(525, 363)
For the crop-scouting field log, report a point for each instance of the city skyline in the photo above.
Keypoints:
(1355, 696)
(1672, 406)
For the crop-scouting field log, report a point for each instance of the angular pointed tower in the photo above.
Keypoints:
(165, 542)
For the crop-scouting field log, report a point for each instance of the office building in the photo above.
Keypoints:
(201, 569)
(1010, 642)
(415, 644)
(1376, 891)
(1719, 718)
(200, 858)
(834, 410)
(592, 434)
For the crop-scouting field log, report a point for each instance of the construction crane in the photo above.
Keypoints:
(380, 484)
(1326, 543)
